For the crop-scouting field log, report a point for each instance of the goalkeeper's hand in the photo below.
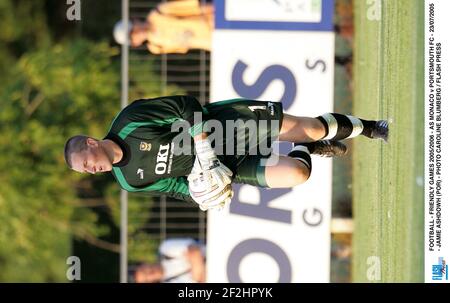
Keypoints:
(208, 161)
(208, 189)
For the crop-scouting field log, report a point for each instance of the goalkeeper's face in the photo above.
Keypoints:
(93, 159)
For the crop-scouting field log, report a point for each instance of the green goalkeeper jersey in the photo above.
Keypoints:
(152, 161)
(143, 131)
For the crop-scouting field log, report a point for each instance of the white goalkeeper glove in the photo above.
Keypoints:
(208, 195)
(209, 180)
(205, 191)
(208, 162)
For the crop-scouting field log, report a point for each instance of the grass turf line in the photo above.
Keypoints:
(388, 178)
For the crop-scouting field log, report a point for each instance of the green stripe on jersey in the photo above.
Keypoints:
(196, 129)
(130, 127)
(162, 185)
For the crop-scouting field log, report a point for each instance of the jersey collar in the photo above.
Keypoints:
(126, 151)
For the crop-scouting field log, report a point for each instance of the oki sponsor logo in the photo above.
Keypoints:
(161, 159)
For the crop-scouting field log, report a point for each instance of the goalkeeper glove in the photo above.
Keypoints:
(206, 191)
(208, 162)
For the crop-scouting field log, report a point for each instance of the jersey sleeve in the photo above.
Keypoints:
(163, 111)
(176, 188)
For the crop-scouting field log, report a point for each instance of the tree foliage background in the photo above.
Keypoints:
(56, 81)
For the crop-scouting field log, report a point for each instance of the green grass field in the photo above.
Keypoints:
(387, 178)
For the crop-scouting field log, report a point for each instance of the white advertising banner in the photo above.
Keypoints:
(270, 10)
(274, 235)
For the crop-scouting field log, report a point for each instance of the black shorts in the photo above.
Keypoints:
(249, 129)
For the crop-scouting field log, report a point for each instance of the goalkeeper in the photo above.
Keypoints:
(144, 152)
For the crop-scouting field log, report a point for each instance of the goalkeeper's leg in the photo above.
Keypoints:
(331, 126)
(290, 170)
(273, 171)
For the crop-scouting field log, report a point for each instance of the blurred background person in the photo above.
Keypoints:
(172, 27)
(182, 260)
